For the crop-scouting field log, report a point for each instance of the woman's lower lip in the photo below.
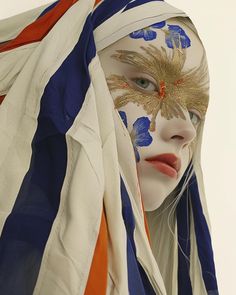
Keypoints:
(164, 168)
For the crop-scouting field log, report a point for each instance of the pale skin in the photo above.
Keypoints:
(141, 76)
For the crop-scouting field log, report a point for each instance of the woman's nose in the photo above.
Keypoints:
(178, 130)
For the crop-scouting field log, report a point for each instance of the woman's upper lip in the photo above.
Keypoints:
(170, 159)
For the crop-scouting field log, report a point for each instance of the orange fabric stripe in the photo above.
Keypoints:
(97, 281)
(38, 29)
(2, 98)
(97, 1)
(146, 224)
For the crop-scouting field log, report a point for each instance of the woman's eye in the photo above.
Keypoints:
(195, 118)
(145, 84)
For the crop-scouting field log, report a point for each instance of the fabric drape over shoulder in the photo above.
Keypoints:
(71, 214)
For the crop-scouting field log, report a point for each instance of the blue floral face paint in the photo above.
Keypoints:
(177, 35)
(173, 34)
(147, 33)
(140, 135)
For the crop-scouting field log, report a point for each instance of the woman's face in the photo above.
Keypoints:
(158, 79)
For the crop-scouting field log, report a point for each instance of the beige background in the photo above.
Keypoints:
(216, 24)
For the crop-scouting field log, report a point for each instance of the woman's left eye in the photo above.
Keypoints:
(145, 84)
(194, 118)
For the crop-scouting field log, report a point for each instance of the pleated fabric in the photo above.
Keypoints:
(71, 214)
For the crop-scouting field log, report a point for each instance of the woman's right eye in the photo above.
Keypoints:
(145, 84)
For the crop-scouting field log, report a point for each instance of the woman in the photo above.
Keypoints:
(89, 93)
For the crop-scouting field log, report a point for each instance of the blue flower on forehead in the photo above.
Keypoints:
(140, 135)
(147, 33)
(177, 35)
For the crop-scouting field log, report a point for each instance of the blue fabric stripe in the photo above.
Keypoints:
(137, 3)
(106, 10)
(49, 8)
(183, 222)
(204, 244)
(27, 228)
(110, 7)
(137, 279)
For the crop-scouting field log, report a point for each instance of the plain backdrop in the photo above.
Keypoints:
(216, 24)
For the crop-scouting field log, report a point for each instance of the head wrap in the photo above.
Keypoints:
(71, 214)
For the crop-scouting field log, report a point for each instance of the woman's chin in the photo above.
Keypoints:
(152, 205)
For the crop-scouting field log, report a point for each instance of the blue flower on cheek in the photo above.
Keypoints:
(140, 135)
(178, 35)
(147, 33)
(124, 118)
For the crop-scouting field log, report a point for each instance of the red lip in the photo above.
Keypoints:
(168, 164)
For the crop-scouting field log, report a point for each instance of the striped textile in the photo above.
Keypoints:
(71, 215)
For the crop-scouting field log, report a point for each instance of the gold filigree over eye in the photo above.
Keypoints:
(177, 88)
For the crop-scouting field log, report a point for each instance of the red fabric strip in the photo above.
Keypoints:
(2, 98)
(38, 29)
(97, 281)
(97, 1)
(146, 224)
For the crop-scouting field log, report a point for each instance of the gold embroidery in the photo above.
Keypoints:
(177, 88)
